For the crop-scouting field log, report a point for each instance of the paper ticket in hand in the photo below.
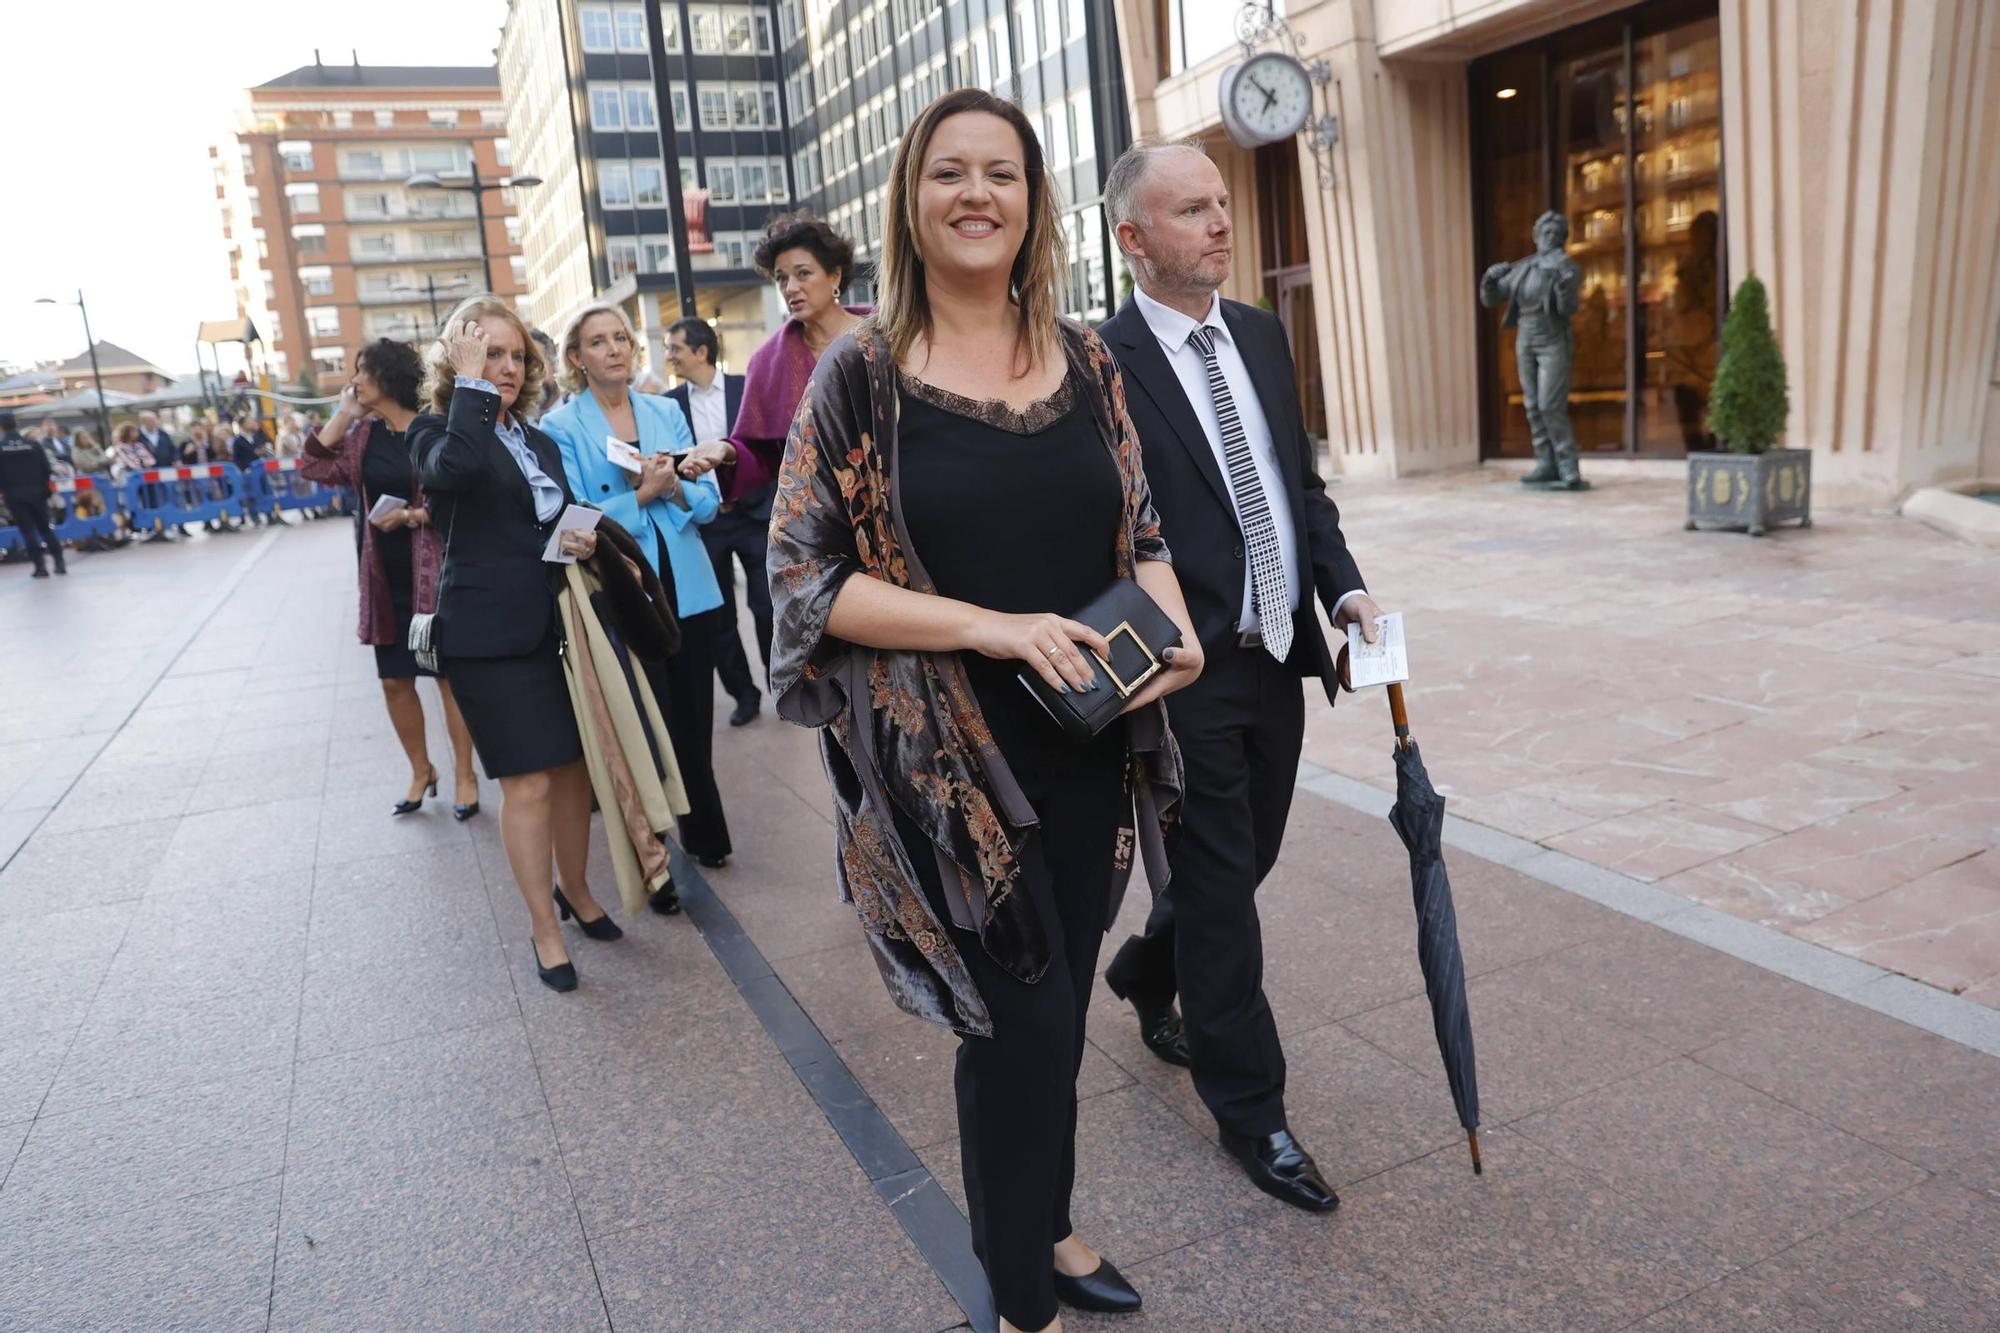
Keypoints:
(386, 505)
(1383, 662)
(623, 454)
(574, 518)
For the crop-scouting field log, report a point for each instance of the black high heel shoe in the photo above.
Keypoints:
(464, 812)
(411, 807)
(604, 928)
(667, 901)
(561, 977)
(1104, 1291)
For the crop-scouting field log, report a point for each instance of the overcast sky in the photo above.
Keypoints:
(111, 108)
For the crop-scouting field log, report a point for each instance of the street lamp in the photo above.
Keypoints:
(430, 180)
(96, 376)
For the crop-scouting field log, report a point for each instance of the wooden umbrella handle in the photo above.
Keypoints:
(1399, 713)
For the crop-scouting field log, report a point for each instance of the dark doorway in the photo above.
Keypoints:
(1616, 124)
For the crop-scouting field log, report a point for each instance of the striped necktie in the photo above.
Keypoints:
(1253, 509)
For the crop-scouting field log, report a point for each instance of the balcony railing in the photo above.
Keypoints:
(416, 256)
(454, 209)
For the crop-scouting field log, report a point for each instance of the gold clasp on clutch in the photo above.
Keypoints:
(1127, 687)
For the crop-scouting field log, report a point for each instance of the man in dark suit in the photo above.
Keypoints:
(1210, 388)
(711, 400)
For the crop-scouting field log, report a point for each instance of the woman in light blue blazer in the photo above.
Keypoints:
(664, 511)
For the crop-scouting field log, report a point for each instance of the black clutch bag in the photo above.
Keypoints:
(1138, 632)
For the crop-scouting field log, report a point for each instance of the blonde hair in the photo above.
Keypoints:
(439, 375)
(903, 309)
(569, 374)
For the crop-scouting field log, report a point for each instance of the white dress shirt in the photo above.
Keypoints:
(1172, 328)
(709, 409)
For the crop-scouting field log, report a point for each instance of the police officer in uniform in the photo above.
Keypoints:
(24, 481)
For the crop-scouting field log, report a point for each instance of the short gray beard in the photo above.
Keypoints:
(1178, 279)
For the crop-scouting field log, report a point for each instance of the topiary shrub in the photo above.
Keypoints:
(1748, 406)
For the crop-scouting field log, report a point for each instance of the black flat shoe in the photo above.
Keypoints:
(1279, 1166)
(1105, 1291)
(667, 902)
(712, 862)
(561, 977)
(746, 710)
(464, 812)
(604, 928)
(411, 807)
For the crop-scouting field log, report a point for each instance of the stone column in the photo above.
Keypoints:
(1862, 145)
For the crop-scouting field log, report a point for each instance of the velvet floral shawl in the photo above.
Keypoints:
(902, 729)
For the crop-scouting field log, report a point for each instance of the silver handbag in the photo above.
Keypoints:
(422, 640)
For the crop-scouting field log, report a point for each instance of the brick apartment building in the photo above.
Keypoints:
(328, 248)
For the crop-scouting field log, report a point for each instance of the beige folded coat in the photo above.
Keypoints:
(615, 713)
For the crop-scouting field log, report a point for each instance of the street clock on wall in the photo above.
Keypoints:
(1265, 98)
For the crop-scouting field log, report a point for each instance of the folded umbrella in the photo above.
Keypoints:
(1418, 816)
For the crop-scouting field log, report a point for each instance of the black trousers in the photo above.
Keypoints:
(691, 726)
(738, 535)
(31, 516)
(1240, 729)
(1017, 1089)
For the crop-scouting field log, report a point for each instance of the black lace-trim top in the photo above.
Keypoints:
(1033, 419)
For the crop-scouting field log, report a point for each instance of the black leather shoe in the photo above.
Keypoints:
(1159, 1026)
(1277, 1165)
(746, 709)
(667, 902)
(464, 812)
(712, 862)
(604, 928)
(561, 977)
(1105, 1291)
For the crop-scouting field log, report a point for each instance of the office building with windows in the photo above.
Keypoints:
(773, 108)
(1847, 155)
(327, 246)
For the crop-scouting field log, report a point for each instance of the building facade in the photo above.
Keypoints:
(328, 247)
(773, 107)
(1848, 155)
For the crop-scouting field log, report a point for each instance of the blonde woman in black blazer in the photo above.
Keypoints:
(495, 485)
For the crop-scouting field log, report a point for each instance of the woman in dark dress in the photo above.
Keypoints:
(365, 449)
(496, 486)
(965, 472)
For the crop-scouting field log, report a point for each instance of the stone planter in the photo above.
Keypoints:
(1749, 491)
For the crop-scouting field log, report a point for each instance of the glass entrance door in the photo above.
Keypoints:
(1616, 125)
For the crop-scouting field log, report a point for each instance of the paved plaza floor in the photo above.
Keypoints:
(270, 1059)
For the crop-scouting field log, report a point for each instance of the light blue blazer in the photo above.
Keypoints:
(579, 429)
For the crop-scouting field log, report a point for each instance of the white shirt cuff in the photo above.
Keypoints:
(1334, 615)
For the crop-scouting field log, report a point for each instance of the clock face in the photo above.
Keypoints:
(1271, 96)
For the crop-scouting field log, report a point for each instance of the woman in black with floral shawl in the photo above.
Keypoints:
(961, 471)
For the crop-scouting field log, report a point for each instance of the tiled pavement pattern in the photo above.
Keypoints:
(1802, 729)
(270, 1059)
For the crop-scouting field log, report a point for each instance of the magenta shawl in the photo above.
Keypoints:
(773, 384)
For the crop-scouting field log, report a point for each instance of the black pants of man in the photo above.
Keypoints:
(738, 535)
(31, 516)
(691, 724)
(1016, 1089)
(1240, 729)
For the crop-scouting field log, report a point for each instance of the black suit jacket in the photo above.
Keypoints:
(732, 402)
(496, 595)
(1191, 494)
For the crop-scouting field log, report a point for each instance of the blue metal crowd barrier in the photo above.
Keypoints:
(170, 496)
(276, 483)
(71, 526)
